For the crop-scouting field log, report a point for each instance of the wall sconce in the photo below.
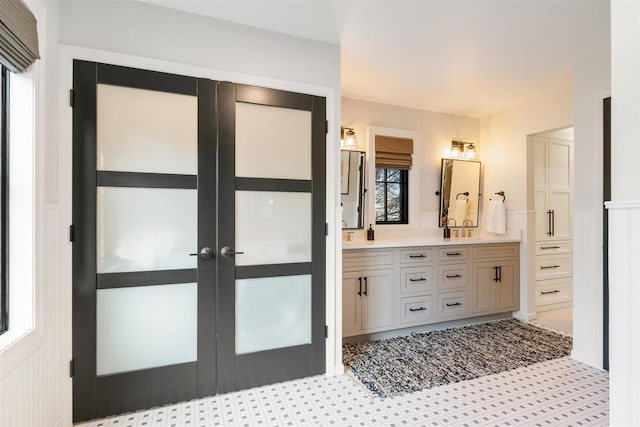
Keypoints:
(462, 150)
(348, 138)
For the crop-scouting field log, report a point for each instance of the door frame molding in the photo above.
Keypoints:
(68, 53)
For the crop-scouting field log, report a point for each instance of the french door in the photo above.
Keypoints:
(198, 254)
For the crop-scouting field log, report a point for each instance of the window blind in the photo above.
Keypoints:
(18, 36)
(393, 152)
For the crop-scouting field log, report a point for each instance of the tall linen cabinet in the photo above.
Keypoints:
(553, 189)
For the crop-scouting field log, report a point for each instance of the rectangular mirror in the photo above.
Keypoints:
(352, 188)
(459, 193)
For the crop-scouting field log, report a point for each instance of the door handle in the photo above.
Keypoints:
(553, 222)
(366, 286)
(360, 286)
(499, 273)
(228, 252)
(205, 253)
(549, 223)
(495, 274)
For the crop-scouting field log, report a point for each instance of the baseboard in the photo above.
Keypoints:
(556, 306)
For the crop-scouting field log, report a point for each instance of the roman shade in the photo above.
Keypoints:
(393, 152)
(18, 36)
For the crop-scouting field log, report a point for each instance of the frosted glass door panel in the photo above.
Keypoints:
(273, 227)
(146, 131)
(272, 312)
(141, 229)
(146, 326)
(272, 142)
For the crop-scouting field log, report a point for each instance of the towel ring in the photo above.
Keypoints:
(466, 193)
(501, 193)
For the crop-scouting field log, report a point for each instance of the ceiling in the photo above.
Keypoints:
(473, 57)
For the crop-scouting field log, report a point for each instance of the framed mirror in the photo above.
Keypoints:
(352, 188)
(459, 193)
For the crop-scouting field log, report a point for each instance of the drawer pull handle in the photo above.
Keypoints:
(418, 256)
(555, 291)
(421, 279)
(417, 309)
(544, 267)
(366, 287)
(454, 304)
(549, 247)
(453, 276)
(454, 253)
(359, 286)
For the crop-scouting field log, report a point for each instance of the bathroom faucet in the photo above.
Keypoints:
(348, 235)
(465, 223)
(455, 230)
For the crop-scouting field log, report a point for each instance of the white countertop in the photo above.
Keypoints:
(425, 241)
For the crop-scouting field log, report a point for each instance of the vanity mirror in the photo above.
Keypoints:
(352, 188)
(459, 193)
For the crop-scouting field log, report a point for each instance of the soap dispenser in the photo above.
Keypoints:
(370, 233)
(447, 232)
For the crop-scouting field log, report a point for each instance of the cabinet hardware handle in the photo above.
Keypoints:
(555, 291)
(553, 222)
(366, 286)
(549, 223)
(499, 273)
(421, 279)
(360, 286)
(453, 276)
(418, 256)
(549, 247)
(417, 309)
(454, 304)
(495, 273)
(454, 253)
(544, 267)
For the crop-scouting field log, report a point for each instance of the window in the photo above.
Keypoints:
(4, 198)
(392, 196)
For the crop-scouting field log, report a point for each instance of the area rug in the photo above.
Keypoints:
(395, 366)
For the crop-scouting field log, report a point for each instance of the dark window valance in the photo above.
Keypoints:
(18, 36)
(393, 152)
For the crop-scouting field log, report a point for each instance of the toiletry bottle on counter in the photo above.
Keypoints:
(370, 233)
(447, 232)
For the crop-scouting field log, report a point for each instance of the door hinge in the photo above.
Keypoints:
(326, 228)
(326, 331)
(72, 233)
(72, 368)
(71, 98)
(326, 126)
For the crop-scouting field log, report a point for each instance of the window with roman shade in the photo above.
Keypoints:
(18, 36)
(393, 152)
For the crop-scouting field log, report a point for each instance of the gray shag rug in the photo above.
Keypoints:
(395, 366)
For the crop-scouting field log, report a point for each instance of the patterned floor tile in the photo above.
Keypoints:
(558, 392)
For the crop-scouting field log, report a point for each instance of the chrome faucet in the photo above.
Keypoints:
(455, 230)
(465, 223)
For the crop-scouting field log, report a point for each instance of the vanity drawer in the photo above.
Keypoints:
(453, 276)
(551, 248)
(452, 304)
(453, 253)
(366, 258)
(416, 309)
(416, 279)
(416, 256)
(554, 291)
(554, 266)
(500, 250)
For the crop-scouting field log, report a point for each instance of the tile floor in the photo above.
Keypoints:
(560, 392)
(559, 320)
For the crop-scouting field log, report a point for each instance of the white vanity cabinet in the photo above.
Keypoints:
(393, 288)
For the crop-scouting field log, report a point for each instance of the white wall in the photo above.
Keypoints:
(504, 141)
(624, 215)
(435, 130)
(38, 391)
(591, 82)
(35, 386)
